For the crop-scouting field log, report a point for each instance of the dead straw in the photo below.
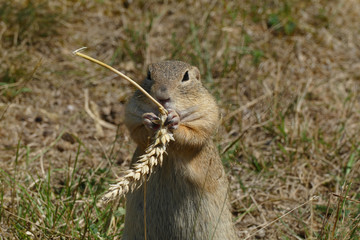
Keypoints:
(313, 198)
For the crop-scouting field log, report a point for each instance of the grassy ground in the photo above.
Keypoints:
(285, 73)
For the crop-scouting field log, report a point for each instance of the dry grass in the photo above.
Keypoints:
(286, 76)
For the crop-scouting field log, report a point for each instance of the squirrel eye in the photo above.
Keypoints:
(186, 77)
(148, 75)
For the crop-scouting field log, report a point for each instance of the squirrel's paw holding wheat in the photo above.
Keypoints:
(151, 121)
(172, 120)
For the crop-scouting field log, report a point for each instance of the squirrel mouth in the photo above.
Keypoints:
(167, 104)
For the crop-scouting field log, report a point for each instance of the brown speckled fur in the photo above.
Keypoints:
(187, 197)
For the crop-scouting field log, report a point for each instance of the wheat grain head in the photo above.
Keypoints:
(142, 169)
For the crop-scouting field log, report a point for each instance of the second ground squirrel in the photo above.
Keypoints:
(186, 198)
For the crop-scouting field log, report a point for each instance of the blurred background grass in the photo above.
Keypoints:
(285, 73)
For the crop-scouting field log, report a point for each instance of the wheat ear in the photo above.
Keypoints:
(154, 154)
(142, 169)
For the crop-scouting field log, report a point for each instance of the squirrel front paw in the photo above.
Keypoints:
(173, 120)
(152, 122)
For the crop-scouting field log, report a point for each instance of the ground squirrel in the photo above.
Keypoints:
(186, 198)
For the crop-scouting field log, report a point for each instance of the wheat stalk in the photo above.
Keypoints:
(154, 154)
(77, 52)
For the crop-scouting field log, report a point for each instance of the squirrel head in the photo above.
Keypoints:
(174, 84)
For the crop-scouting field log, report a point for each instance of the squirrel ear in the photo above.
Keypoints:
(196, 73)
